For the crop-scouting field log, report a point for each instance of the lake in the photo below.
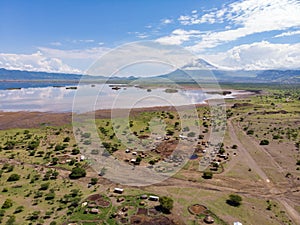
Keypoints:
(100, 96)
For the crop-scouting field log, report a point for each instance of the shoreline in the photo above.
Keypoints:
(35, 119)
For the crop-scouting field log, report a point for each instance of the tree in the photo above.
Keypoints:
(44, 186)
(50, 195)
(54, 161)
(207, 175)
(75, 151)
(66, 139)
(94, 181)
(11, 220)
(166, 204)
(264, 142)
(234, 200)
(13, 177)
(77, 172)
(19, 209)
(170, 132)
(250, 132)
(7, 204)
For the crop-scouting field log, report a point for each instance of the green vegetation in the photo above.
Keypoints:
(166, 204)
(41, 166)
(264, 142)
(234, 200)
(77, 172)
(207, 175)
(13, 177)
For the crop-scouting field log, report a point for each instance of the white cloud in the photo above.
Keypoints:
(77, 58)
(88, 53)
(53, 60)
(250, 16)
(289, 33)
(259, 55)
(167, 21)
(35, 62)
(178, 36)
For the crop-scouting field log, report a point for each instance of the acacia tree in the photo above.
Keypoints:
(166, 204)
(234, 200)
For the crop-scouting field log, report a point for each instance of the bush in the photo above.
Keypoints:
(166, 204)
(250, 132)
(234, 200)
(50, 196)
(207, 175)
(75, 151)
(77, 172)
(13, 177)
(11, 220)
(94, 181)
(66, 139)
(44, 186)
(7, 204)
(264, 142)
(19, 209)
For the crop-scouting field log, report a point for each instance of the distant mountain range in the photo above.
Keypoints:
(199, 70)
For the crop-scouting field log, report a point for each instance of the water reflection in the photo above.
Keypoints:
(88, 98)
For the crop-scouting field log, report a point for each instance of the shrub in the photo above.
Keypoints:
(19, 209)
(166, 204)
(7, 204)
(170, 132)
(77, 172)
(207, 175)
(75, 151)
(33, 145)
(11, 220)
(94, 181)
(13, 177)
(264, 142)
(50, 196)
(250, 132)
(44, 186)
(234, 200)
(66, 139)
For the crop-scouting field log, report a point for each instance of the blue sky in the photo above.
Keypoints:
(67, 36)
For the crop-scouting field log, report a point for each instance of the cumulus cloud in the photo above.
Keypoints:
(243, 18)
(178, 36)
(53, 60)
(34, 62)
(258, 56)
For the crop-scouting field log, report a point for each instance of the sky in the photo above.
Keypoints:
(69, 36)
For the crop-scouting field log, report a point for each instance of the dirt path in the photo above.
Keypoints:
(251, 162)
(293, 214)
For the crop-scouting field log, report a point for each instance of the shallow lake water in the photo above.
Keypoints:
(92, 97)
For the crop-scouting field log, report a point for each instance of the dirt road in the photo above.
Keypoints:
(293, 214)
